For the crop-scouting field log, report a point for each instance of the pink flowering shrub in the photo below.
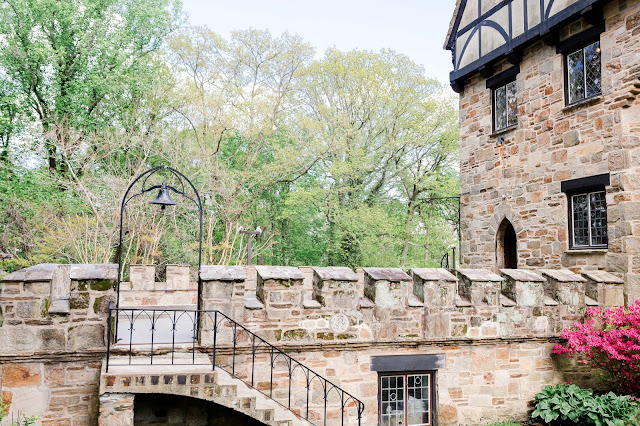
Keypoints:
(608, 340)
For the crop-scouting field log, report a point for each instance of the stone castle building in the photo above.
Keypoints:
(550, 134)
(551, 220)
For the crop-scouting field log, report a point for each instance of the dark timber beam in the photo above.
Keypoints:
(514, 56)
(486, 71)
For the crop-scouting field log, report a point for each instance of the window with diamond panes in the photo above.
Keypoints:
(589, 220)
(584, 73)
(505, 106)
(405, 400)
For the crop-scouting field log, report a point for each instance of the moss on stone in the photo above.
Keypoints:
(97, 303)
(324, 336)
(79, 301)
(346, 336)
(278, 334)
(295, 334)
(45, 308)
(101, 285)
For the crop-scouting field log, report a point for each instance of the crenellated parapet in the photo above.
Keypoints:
(314, 304)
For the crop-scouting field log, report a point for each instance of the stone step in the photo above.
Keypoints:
(136, 375)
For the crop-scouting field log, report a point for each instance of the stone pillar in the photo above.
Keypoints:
(116, 409)
(143, 291)
(479, 287)
(565, 287)
(141, 277)
(222, 290)
(605, 288)
(436, 287)
(526, 288)
(387, 287)
(335, 288)
(280, 288)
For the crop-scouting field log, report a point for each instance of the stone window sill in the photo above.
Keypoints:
(587, 251)
(583, 103)
(503, 131)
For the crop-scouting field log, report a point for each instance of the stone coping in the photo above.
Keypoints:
(94, 272)
(522, 275)
(562, 275)
(603, 277)
(433, 274)
(335, 273)
(279, 272)
(479, 275)
(387, 274)
(222, 273)
(41, 272)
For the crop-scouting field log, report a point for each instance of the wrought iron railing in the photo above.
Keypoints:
(164, 336)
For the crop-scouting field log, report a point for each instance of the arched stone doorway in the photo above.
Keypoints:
(162, 409)
(506, 246)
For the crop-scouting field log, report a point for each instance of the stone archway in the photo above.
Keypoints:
(506, 246)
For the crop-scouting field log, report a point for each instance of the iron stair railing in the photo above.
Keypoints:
(227, 337)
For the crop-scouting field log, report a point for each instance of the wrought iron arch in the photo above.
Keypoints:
(144, 177)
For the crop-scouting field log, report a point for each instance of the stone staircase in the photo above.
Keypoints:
(196, 381)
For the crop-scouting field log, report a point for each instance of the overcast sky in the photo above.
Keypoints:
(416, 28)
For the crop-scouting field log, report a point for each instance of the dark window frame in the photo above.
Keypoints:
(506, 107)
(405, 374)
(576, 43)
(497, 82)
(584, 186)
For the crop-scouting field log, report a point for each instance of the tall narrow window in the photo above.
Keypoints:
(589, 220)
(505, 106)
(406, 399)
(584, 73)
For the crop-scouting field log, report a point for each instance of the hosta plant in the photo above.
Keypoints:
(569, 404)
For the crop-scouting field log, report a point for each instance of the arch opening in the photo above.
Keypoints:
(506, 246)
(165, 409)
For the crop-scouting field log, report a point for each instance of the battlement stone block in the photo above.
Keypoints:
(525, 287)
(479, 287)
(565, 286)
(435, 286)
(387, 287)
(335, 287)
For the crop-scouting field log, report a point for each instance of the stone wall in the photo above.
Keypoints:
(493, 332)
(52, 334)
(520, 180)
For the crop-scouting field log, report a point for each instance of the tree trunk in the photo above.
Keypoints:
(408, 222)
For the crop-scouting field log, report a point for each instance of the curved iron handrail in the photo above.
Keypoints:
(220, 320)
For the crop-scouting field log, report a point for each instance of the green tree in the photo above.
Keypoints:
(79, 65)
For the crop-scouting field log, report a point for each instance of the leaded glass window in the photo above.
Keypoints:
(589, 219)
(505, 106)
(405, 400)
(584, 74)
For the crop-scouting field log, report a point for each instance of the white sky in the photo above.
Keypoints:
(416, 28)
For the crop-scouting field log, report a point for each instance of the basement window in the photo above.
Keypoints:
(406, 399)
(407, 388)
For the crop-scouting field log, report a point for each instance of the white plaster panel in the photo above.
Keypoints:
(533, 13)
(471, 54)
(470, 13)
(517, 10)
(491, 39)
(558, 5)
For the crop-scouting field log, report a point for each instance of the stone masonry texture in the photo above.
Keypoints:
(520, 180)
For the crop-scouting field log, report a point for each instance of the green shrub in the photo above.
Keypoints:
(561, 403)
